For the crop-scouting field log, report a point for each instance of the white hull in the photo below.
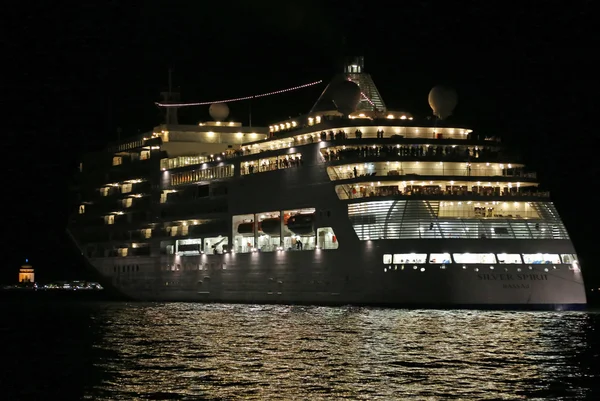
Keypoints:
(348, 276)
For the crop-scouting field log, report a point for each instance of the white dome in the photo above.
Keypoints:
(442, 101)
(218, 111)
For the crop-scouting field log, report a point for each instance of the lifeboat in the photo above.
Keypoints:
(272, 226)
(248, 228)
(302, 224)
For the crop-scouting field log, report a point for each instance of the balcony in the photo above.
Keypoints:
(378, 170)
(415, 152)
(451, 192)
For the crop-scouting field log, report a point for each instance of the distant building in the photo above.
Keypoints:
(26, 273)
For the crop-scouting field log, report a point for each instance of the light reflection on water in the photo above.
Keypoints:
(192, 351)
(120, 351)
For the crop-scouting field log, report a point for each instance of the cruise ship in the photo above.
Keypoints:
(349, 204)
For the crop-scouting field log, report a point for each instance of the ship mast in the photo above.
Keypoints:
(170, 97)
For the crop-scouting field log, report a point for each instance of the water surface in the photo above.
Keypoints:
(125, 351)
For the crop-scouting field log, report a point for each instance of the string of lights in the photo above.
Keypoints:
(368, 100)
(363, 95)
(238, 99)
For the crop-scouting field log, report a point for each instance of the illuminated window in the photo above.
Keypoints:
(541, 258)
(410, 257)
(474, 258)
(192, 176)
(387, 258)
(127, 202)
(81, 209)
(110, 219)
(568, 258)
(117, 161)
(513, 258)
(104, 191)
(443, 258)
(144, 155)
(126, 188)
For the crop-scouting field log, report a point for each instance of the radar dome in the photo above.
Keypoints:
(442, 101)
(346, 96)
(218, 111)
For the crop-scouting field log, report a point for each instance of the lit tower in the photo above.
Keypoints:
(26, 273)
(354, 70)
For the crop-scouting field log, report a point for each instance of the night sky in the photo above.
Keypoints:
(78, 72)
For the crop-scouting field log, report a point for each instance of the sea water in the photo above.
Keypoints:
(63, 350)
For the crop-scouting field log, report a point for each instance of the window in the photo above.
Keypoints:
(104, 191)
(387, 259)
(117, 161)
(474, 258)
(513, 258)
(410, 257)
(110, 219)
(440, 258)
(146, 233)
(541, 258)
(126, 188)
(144, 155)
(568, 258)
(188, 177)
(271, 163)
(81, 209)
(127, 202)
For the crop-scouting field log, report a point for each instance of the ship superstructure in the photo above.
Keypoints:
(373, 206)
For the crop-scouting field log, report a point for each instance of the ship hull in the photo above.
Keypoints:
(355, 276)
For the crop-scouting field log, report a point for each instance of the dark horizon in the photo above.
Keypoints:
(523, 74)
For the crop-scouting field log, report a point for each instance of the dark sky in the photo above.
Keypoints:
(79, 71)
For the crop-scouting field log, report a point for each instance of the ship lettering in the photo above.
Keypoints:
(532, 277)
(493, 277)
(515, 286)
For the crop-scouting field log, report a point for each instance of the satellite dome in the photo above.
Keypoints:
(218, 111)
(442, 100)
(346, 96)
